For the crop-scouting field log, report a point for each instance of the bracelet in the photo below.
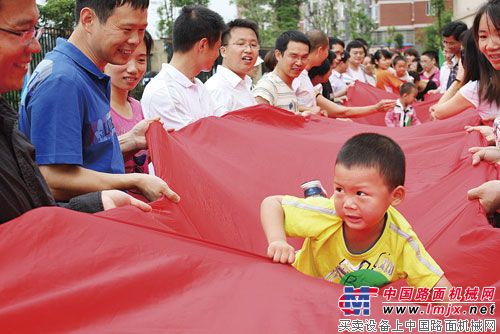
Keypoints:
(457, 80)
(317, 94)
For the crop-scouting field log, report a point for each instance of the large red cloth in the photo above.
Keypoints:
(199, 266)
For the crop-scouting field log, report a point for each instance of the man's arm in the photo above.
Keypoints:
(272, 219)
(67, 181)
(335, 110)
(259, 100)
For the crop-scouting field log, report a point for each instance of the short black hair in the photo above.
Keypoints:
(355, 45)
(455, 29)
(373, 150)
(407, 87)
(412, 52)
(320, 70)
(104, 8)
(291, 36)
(239, 23)
(431, 54)
(148, 40)
(195, 23)
(362, 41)
(398, 58)
(382, 53)
(334, 40)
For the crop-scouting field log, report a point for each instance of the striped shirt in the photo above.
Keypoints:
(274, 90)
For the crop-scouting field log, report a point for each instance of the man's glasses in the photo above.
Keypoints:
(242, 45)
(27, 36)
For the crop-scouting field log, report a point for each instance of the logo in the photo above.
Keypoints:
(356, 301)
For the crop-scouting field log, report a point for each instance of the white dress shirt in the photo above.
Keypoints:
(229, 91)
(177, 100)
(306, 94)
(337, 82)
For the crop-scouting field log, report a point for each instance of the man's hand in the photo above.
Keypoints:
(115, 199)
(488, 153)
(488, 195)
(281, 251)
(486, 131)
(385, 105)
(152, 187)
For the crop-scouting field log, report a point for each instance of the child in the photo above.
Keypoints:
(385, 79)
(355, 238)
(400, 66)
(403, 114)
(126, 112)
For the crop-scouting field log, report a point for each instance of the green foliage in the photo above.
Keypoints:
(391, 33)
(166, 13)
(323, 16)
(360, 24)
(431, 39)
(287, 14)
(399, 40)
(58, 14)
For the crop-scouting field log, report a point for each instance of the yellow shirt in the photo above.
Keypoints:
(396, 254)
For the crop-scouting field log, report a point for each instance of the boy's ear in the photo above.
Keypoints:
(398, 195)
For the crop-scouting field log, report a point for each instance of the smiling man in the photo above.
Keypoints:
(230, 87)
(275, 88)
(175, 94)
(65, 111)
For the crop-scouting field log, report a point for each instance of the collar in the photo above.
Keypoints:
(232, 77)
(75, 54)
(400, 105)
(178, 76)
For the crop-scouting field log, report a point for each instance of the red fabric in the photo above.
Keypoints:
(199, 266)
(363, 94)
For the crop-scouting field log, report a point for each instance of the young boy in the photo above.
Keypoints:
(355, 238)
(403, 113)
(400, 67)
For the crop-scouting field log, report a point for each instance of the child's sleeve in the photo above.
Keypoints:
(389, 119)
(415, 120)
(308, 217)
(418, 266)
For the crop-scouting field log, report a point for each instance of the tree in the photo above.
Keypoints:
(58, 14)
(432, 39)
(287, 14)
(261, 12)
(391, 32)
(168, 11)
(399, 40)
(360, 24)
(323, 16)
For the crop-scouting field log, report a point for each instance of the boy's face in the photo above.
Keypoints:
(362, 197)
(400, 68)
(409, 98)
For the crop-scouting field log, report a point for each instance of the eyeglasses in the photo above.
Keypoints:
(26, 36)
(241, 45)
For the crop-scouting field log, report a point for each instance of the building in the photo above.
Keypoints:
(465, 10)
(408, 17)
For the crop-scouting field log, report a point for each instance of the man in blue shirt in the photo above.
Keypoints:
(65, 111)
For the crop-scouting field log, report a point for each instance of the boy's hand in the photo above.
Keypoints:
(281, 251)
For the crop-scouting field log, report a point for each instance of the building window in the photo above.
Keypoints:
(428, 9)
(375, 13)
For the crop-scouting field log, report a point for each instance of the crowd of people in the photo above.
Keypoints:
(80, 140)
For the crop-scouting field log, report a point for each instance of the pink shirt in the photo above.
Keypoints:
(435, 78)
(139, 162)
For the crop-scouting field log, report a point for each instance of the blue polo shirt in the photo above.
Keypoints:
(65, 112)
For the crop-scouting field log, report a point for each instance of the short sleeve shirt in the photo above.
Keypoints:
(274, 90)
(65, 112)
(177, 100)
(305, 91)
(229, 91)
(486, 110)
(397, 254)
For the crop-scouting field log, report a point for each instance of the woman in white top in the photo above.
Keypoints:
(483, 94)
